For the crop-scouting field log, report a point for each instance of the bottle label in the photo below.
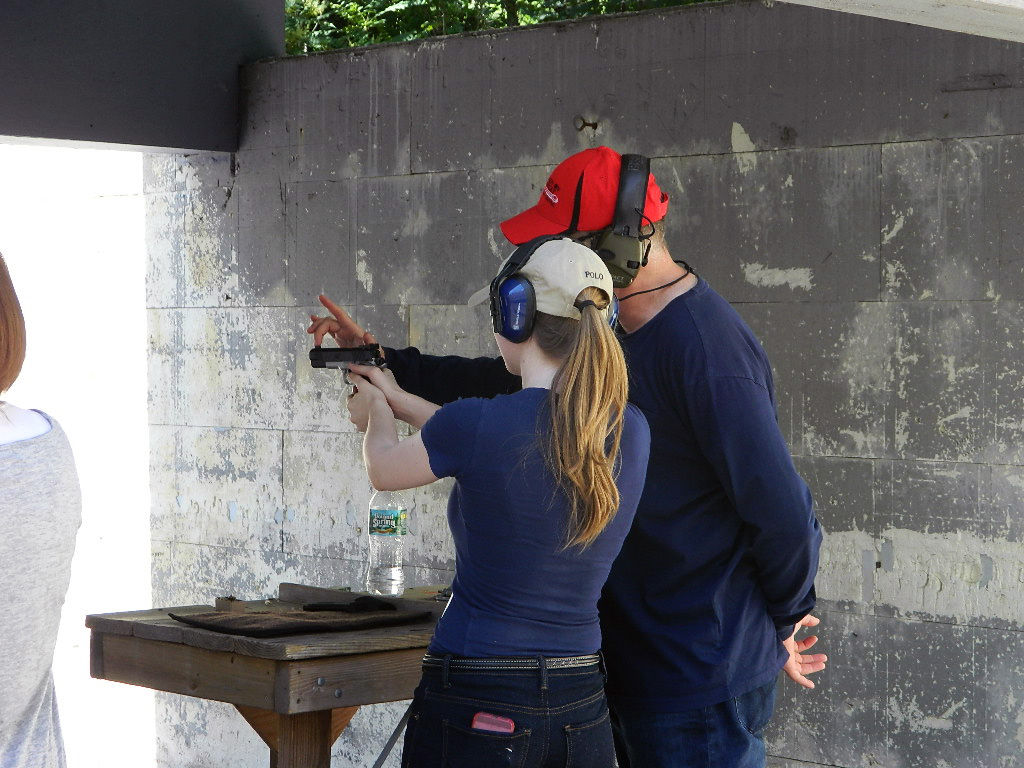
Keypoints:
(388, 522)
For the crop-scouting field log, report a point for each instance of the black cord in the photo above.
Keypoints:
(687, 273)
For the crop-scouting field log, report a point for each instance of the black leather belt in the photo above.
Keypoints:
(512, 662)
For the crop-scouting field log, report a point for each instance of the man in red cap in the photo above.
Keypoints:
(701, 608)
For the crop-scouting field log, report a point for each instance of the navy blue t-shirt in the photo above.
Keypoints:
(721, 559)
(517, 590)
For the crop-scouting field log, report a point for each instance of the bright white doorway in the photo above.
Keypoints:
(73, 232)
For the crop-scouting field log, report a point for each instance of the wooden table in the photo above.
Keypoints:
(298, 692)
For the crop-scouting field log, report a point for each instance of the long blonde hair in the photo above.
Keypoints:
(12, 331)
(587, 403)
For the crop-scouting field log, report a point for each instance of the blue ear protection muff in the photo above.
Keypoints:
(513, 302)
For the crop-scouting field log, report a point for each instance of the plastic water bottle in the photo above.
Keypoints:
(389, 513)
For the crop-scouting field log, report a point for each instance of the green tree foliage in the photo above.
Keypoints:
(321, 25)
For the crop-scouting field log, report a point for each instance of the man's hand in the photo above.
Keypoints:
(801, 664)
(342, 328)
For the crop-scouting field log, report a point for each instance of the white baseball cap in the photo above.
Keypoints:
(558, 270)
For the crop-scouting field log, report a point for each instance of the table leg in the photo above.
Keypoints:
(302, 740)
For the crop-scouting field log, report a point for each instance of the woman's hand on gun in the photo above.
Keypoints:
(342, 328)
(409, 408)
(364, 397)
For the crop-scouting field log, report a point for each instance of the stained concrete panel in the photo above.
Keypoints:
(218, 487)
(1002, 365)
(849, 729)
(835, 375)
(924, 380)
(452, 330)
(418, 238)
(943, 547)
(950, 223)
(268, 92)
(452, 79)
(1001, 709)
(770, 326)
(166, 275)
(778, 226)
(262, 238)
(349, 114)
(271, 165)
(192, 237)
(320, 240)
(803, 77)
(226, 367)
(557, 89)
(930, 497)
(163, 173)
(931, 700)
(939, 381)
(197, 732)
(1002, 500)
(326, 493)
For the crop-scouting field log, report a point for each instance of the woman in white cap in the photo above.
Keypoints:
(546, 485)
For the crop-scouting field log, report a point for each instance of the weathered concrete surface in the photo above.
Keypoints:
(1001, 19)
(851, 184)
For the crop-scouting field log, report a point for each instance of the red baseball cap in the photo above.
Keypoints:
(552, 215)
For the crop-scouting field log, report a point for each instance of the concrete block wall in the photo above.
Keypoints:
(851, 184)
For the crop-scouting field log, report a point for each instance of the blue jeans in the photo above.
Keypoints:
(725, 735)
(560, 716)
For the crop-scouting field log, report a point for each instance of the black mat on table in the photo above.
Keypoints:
(279, 623)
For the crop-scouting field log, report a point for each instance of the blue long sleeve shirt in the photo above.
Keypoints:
(720, 561)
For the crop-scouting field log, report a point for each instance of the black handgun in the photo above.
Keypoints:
(342, 357)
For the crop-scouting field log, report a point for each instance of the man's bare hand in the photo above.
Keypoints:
(341, 327)
(801, 664)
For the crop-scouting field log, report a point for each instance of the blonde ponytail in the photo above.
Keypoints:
(587, 402)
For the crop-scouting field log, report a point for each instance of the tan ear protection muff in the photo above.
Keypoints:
(625, 246)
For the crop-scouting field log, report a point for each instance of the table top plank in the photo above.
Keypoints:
(125, 622)
(155, 624)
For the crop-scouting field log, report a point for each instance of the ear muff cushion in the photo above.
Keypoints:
(517, 306)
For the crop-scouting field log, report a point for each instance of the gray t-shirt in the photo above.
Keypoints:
(41, 506)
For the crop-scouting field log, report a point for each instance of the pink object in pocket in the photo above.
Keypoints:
(485, 721)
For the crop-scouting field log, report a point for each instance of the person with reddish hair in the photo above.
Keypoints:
(41, 504)
(702, 605)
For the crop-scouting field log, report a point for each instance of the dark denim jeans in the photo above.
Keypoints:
(726, 735)
(560, 716)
